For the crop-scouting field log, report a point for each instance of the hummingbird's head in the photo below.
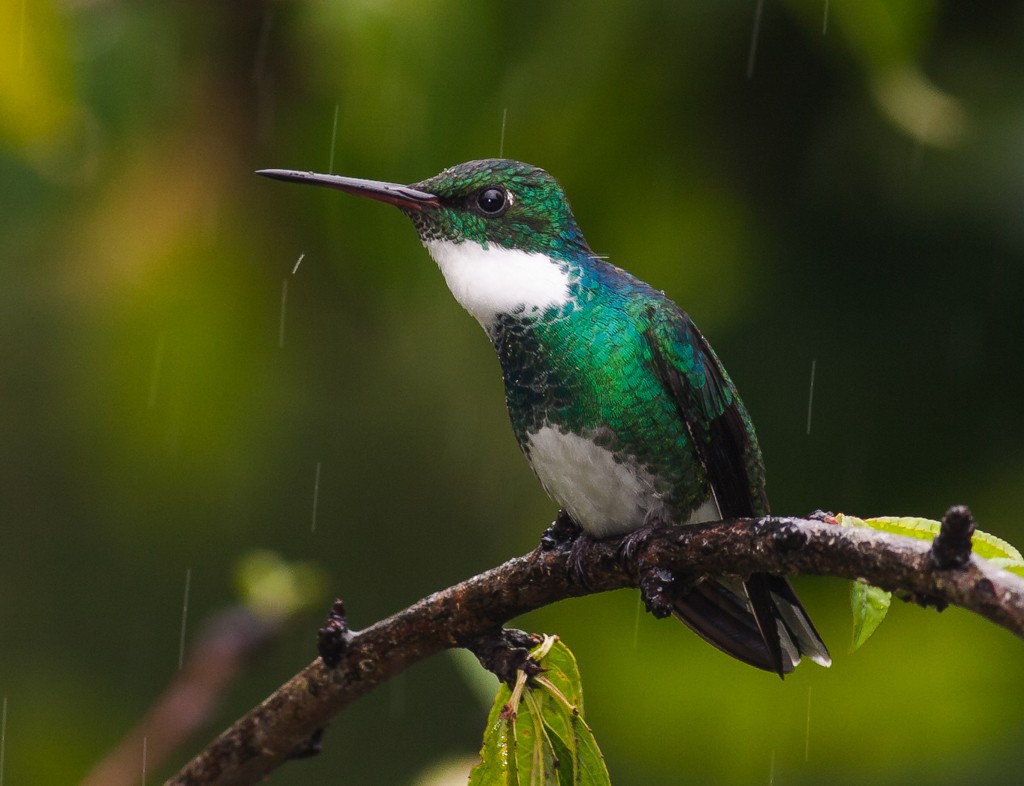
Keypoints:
(501, 231)
(499, 202)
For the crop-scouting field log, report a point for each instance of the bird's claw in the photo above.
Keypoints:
(657, 589)
(632, 545)
(562, 533)
(576, 562)
(504, 652)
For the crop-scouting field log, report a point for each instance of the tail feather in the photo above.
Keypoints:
(759, 621)
(796, 621)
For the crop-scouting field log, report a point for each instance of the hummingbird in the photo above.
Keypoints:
(619, 404)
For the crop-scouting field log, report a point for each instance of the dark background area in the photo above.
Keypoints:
(848, 193)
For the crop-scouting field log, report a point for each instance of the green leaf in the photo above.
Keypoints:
(494, 766)
(536, 733)
(982, 543)
(870, 605)
(1015, 566)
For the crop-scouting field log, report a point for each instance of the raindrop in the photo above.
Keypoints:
(396, 697)
(334, 139)
(154, 376)
(501, 144)
(824, 21)
(21, 36)
(3, 738)
(264, 118)
(810, 396)
(260, 60)
(284, 306)
(298, 262)
(916, 155)
(752, 57)
(145, 740)
(807, 734)
(636, 622)
(184, 619)
(316, 495)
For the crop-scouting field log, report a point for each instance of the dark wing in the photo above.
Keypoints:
(708, 403)
(759, 621)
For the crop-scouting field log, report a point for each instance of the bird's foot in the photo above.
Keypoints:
(565, 534)
(505, 652)
(632, 544)
(659, 586)
(562, 533)
(657, 590)
(576, 562)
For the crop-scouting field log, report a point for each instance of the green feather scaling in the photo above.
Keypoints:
(619, 403)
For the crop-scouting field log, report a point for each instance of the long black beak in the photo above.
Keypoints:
(392, 193)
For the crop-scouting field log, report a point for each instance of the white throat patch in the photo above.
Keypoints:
(491, 281)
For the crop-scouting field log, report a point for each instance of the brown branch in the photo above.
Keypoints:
(222, 649)
(290, 717)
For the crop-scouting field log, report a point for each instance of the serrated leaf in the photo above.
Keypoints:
(1015, 566)
(541, 739)
(870, 605)
(982, 543)
(990, 547)
(494, 765)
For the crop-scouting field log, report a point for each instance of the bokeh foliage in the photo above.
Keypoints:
(850, 193)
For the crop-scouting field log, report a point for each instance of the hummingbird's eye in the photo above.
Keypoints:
(492, 201)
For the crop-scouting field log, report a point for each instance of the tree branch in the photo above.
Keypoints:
(290, 717)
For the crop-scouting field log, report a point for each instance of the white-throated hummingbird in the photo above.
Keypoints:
(621, 407)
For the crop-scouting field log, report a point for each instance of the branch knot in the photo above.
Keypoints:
(333, 638)
(787, 537)
(952, 546)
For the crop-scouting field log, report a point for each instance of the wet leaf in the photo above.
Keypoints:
(870, 604)
(982, 543)
(536, 733)
(1013, 566)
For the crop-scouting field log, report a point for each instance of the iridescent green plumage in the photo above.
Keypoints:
(624, 411)
(603, 359)
(539, 218)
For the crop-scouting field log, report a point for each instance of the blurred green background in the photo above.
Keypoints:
(846, 192)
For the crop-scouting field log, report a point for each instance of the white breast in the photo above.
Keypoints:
(604, 496)
(495, 280)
